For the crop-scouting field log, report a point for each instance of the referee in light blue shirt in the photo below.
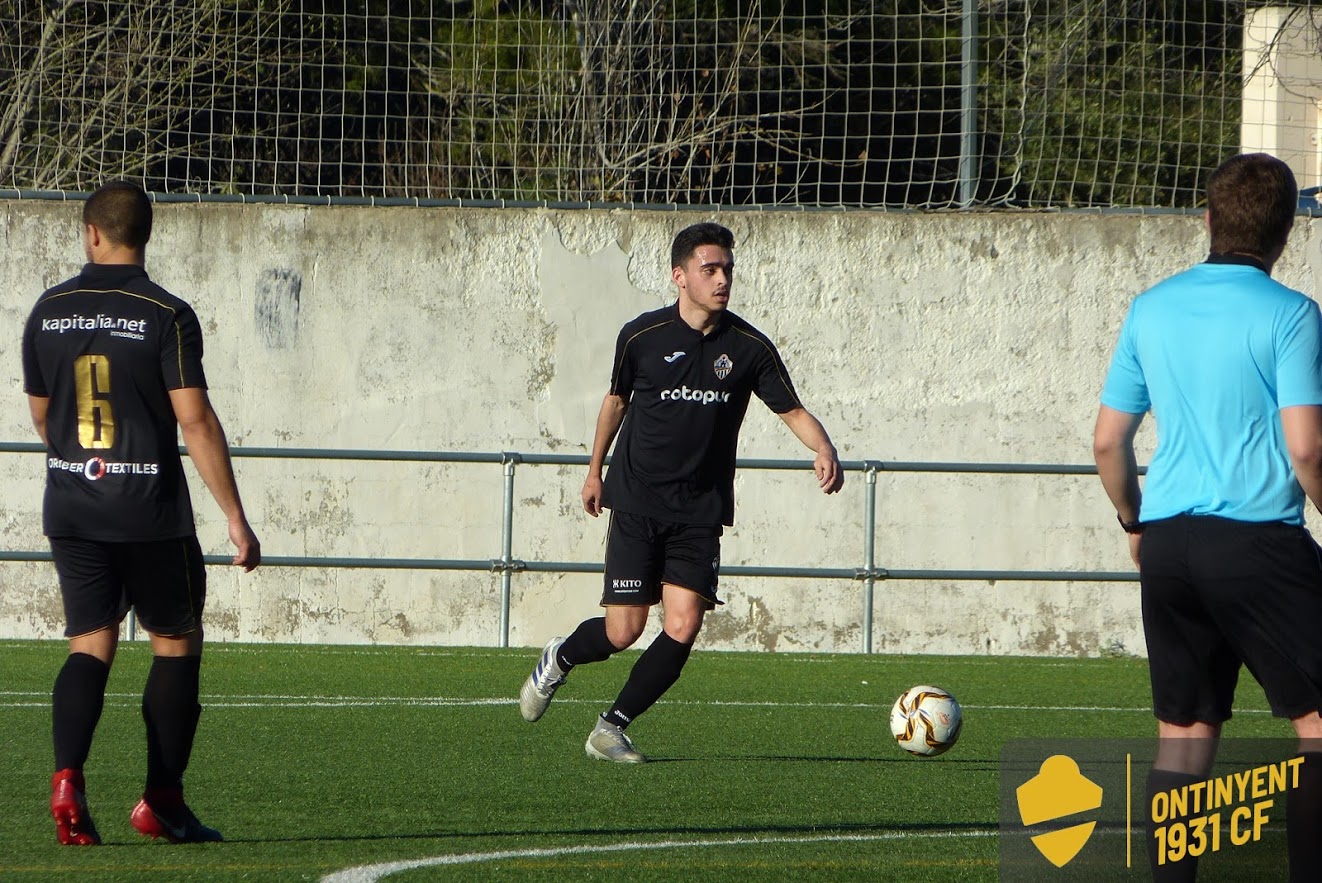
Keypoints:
(1229, 362)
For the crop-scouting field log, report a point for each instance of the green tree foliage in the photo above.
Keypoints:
(1128, 104)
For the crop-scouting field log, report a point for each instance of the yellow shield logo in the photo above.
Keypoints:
(1057, 791)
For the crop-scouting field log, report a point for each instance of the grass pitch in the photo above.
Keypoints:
(315, 760)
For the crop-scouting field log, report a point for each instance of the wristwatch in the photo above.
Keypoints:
(1129, 526)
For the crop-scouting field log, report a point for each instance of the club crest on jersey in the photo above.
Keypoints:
(723, 366)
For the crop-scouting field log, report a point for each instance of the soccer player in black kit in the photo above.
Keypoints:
(112, 365)
(679, 391)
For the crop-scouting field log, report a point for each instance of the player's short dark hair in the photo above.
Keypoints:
(121, 210)
(1251, 203)
(691, 238)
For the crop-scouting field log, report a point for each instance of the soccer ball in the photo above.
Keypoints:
(926, 720)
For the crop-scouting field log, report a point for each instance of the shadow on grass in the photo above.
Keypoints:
(617, 832)
(975, 763)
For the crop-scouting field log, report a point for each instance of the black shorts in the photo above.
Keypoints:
(643, 553)
(1218, 593)
(165, 582)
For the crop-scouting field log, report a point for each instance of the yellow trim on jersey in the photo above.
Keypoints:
(775, 361)
(625, 349)
(145, 297)
(178, 332)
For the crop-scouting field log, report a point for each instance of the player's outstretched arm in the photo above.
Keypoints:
(608, 424)
(205, 439)
(1302, 426)
(809, 430)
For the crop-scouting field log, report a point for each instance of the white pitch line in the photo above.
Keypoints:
(803, 657)
(397, 650)
(262, 700)
(372, 873)
(531, 652)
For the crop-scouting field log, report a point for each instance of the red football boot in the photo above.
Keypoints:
(68, 806)
(162, 813)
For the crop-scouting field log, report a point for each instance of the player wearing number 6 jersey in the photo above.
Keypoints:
(112, 365)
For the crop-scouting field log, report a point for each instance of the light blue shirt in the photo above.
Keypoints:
(1215, 352)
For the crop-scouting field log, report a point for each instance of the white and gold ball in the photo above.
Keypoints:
(926, 720)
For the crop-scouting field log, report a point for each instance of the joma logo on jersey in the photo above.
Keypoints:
(701, 396)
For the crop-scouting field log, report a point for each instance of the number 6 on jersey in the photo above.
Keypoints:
(96, 422)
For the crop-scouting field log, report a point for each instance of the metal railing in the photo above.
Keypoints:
(868, 573)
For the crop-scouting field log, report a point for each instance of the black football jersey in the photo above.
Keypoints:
(687, 394)
(106, 347)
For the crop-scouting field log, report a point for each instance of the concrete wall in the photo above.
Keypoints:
(980, 337)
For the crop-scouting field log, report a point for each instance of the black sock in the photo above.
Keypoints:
(653, 674)
(76, 702)
(587, 644)
(1170, 872)
(170, 710)
(1303, 820)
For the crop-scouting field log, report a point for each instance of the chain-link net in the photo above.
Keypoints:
(1034, 103)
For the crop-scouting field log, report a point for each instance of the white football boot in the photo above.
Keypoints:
(541, 685)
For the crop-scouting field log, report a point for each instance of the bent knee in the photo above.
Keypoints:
(623, 634)
(187, 644)
(685, 634)
(684, 629)
(1308, 726)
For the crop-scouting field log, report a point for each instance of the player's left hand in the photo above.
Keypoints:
(830, 477)
(1135, 540)
(248, 549)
